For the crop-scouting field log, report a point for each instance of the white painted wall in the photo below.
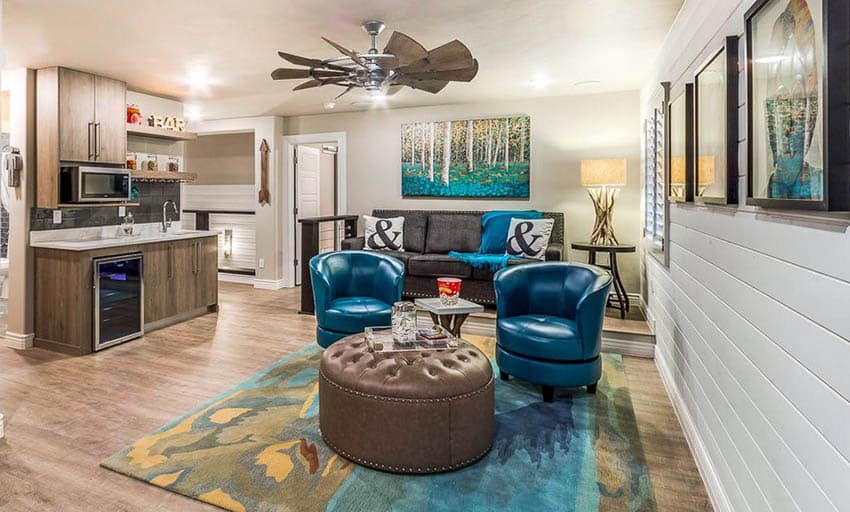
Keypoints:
(271, 230)
(753, 335)
(564, 131)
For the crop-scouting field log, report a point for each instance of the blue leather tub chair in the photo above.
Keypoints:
(353, 290)
(549, 324)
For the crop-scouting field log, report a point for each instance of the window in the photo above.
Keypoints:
(654, 178)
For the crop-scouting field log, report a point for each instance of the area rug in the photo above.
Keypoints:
(257, 448)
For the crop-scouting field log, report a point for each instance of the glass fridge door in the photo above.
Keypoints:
(118, 314)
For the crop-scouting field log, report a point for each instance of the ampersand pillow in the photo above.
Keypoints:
(384, 234)
(529, 238)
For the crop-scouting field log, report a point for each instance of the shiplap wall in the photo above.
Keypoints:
(752, 324)
(243, 227)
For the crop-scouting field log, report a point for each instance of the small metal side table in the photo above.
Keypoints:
(450, 317)
(621, 301)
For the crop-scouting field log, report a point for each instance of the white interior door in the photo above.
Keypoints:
(307, 169)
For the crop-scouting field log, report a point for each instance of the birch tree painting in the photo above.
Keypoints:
(473, 158)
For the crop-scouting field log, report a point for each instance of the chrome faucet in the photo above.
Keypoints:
(166, 222)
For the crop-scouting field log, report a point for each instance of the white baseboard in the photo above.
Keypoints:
(715, 491)
(18, 341)
(269, 284)
(478, 326)
(235, 278)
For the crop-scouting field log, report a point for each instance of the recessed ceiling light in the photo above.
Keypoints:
(198, 78)
(586, 82)
(539, 82)
(329, 105)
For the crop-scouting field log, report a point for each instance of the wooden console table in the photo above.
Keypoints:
(310, 248)
(622, 298)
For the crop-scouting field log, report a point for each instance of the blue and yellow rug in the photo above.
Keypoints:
(257, 448)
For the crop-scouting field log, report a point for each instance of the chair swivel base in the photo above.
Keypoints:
(549, 374)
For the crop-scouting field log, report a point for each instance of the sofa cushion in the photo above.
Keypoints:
(453, 232)
(540, 336)
(415, 224)
(353, 314)
(403, 256)
(437, 265)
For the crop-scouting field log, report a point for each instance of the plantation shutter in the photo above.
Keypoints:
(654, 172)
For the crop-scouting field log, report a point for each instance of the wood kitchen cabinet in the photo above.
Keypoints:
(181, 277)
(80, 118)
(180, 281)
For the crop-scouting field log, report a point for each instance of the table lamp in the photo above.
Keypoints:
(677, 176)
(602, 179)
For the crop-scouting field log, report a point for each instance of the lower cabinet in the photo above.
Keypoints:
(180, 277)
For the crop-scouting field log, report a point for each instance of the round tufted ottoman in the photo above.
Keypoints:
(407, 412)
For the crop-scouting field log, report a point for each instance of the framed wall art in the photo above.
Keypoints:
(471, 158)
(716, 127)
(798, 151)
(680, 184)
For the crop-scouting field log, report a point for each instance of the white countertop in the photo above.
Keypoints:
(89, 239)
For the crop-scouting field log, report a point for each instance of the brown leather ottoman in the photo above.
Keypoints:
(408, 412)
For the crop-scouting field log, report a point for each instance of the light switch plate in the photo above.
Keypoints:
(122, 211)
(261, 263)
(57, 216)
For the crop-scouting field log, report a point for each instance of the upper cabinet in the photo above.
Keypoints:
(81, 118)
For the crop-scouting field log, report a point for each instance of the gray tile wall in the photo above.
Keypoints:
(4, 233)
(151, 197)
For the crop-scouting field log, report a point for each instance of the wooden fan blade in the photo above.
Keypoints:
(405, 48)
(318, 83)
(454, 75)
(387, 62)
(306, 61)
(345, 51)
(432, 86)
(450, 56)
(290, 73)
(299, 60)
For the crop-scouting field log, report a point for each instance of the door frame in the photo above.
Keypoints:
(289, 144)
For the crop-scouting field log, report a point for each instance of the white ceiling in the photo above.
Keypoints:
(156, 46)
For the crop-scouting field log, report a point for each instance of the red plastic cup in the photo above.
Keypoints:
(449, 290)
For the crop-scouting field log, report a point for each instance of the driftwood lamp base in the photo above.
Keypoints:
(603, 203)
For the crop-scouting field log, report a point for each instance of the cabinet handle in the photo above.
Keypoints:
(96, 141)
(197, 258)
(170, 262)
(91, 152)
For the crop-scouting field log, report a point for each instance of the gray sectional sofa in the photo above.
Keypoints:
(429, 235)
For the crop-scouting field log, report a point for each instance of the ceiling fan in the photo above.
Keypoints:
(403, 62)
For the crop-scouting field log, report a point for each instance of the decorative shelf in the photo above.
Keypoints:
(96, 205)
(159, 133)
(181, 177)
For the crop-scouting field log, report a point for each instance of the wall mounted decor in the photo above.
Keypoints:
(798, 151)
(264, 196)
(473, 158)
(716, 127)
(680, 183)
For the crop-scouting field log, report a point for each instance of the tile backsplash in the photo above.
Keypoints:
(151, 197)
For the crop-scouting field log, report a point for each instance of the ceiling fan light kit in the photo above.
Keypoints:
(403, 62)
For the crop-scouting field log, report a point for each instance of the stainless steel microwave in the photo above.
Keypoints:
(81, 184)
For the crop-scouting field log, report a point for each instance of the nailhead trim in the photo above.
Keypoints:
(406, 400)
(404, 469)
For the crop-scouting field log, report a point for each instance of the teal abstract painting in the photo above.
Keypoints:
(472, 158)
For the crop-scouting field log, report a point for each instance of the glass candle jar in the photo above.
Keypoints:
(404, 322)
